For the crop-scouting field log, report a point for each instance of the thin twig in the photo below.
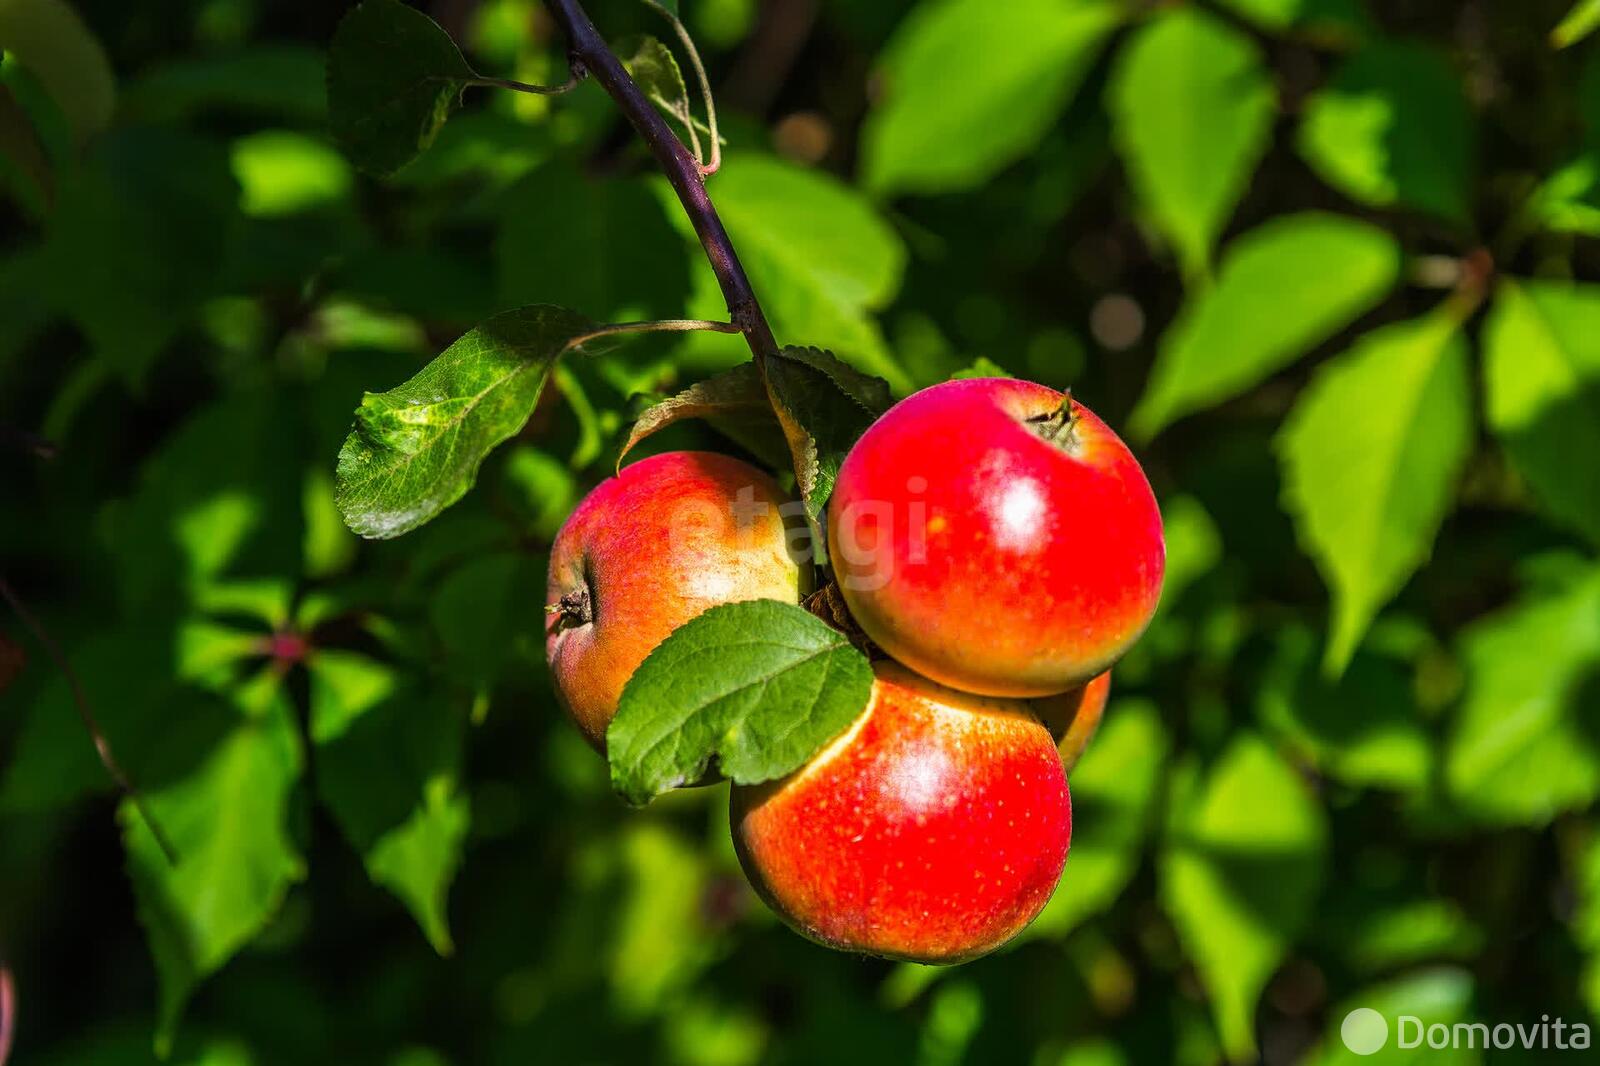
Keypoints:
(682, 169)
(664, 325)
(523, 87)
(81, 700)
(711, 166)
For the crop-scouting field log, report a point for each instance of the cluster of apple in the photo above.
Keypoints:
(1001, 545)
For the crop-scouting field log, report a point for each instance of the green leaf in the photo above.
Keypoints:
(415, 449)
(1363, 729)
(136, 240)
(25, 169)
(542, 488)
(609, 249)
(817, 251)
(388, 767)
(1114, 789)
(1578, 24)
(1386, 937)
(228, 820)
(51, 39)
(655, 70)
(1585, 876)
(1194, 547)
(971, 86)
(1239, 877)
(981, 367)
(1283, 289)
(280, 81)
(1524, 748)
(1541, 368)
(1392, 129)
(281, 172)
(215, 518)
(484, 615)
(760, 685)
(1326, 21)
(1437, 996)
(1370, 457)
(393, 78)
(1193, 108)
(128, 678)
(824, 407)
(1568, 201)
(734, 402)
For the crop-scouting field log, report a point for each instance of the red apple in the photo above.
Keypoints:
(645, 552)
(997, 537)
(1073, 717)
(934, 829)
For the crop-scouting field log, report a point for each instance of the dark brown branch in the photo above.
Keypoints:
(80, 699)
(588, 51)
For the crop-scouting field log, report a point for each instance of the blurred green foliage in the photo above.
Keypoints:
(1331, 265)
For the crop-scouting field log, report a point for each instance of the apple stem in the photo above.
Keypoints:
(1059, 426)
(588, 50)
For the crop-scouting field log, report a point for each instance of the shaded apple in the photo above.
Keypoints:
(1073, 717)
(996, 536)
(648, 550)
(934, 829)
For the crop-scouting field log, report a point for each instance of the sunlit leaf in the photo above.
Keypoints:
(1542, 389)
(1282, 289)
(759, 685)
(1392, 129)
(214, 518)
(415, 449)
(1580, 21)
(228, 819)
(1438, 996)
(1363, 728)
(1370, 457)
(1193, 106)
(968, 86)
(387, 765)
(1240, 875)
(819, 254)
(1323, 20)
(1568, 201)
(1524, 748)
(281, 173)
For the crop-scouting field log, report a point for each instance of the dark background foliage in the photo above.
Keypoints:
(1353, 762)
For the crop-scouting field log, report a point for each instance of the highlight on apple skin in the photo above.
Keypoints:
(997, 537)
(646, 551)
(933, 830)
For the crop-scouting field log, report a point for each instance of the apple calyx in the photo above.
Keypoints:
(1060, 426)
(575, 608)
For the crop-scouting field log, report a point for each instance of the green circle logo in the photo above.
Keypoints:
(1364, 1031)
